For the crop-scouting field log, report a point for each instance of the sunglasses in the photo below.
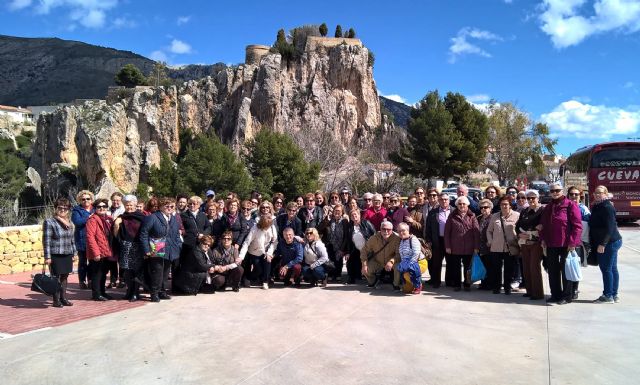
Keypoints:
(226, 239)
(557, 190)
(63, 208)
(433, 195)
(265, 207)
(512, 193)
(309, 233)
(574, 194)
(386, 197)
(101, 206)
(278, 202)
(86, 199)
(485, 207)
(531, 198)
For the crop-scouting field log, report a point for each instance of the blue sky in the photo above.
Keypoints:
(569, 63)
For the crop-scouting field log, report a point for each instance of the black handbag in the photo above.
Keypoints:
(592, 259)
(45, 284)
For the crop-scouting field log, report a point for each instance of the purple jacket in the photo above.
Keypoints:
(561, 223)
(397, 216)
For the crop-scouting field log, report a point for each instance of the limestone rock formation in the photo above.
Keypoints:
(111, 144)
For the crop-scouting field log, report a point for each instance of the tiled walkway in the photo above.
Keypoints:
(22, 310)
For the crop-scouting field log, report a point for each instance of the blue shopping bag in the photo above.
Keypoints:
(478, 271)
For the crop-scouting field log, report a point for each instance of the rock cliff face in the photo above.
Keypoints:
(111, 144)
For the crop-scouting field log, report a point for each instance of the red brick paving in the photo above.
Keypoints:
(22, 310)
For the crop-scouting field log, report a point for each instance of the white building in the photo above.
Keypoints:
(16, 114)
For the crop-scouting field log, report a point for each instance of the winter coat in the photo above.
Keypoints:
(375, 245)
(99, 237)
(561, 223)
(79, 218)
(432, 232)
(495, 237)
(313, 221)
(193, 226)
(283, 222)
(462, 233)
(396, 216)
(366, 229)
(156, 226)
(375, 217)
(290, 254)
(603, 228)
(192, 272)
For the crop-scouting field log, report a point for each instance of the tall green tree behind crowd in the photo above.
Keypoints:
(445, 137)
(517, 143)
(277, 164)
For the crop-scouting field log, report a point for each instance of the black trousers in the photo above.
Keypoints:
(337, 272)
(560, 287)
(354, 266)
(112, 268)
(486, 283)
(497, 276)
(435, 263)
(129, 276)
(158, 274)
(456, 260)
(98, 277)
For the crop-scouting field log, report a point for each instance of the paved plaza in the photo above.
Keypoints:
(334, 335)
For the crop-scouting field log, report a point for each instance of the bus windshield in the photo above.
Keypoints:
(616, 157)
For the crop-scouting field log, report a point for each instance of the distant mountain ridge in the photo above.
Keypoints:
(401, 112)
(43, 71)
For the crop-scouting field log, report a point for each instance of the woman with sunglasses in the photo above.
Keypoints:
(79, 217)
(59, 248)
(315, 256)
(289, 219)
(486, 207)
(560, 234)
(606, 239)
(396, 213)
(260, 245)
(158, 228)
(99, 251)
(278, 203)
(575, 194)
(530, 249)
(310, 215)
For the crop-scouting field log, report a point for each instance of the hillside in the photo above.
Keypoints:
(401, 112)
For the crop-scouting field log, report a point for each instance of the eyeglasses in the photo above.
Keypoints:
(169, 206)
(63, 208)
(556, 190)
(386, 229)
(335, 197)
(531, 198)
(395, 200)
(226, 239)
(491, 192)
(101, 206)
(86, 199)
(193, 204)
(574, 194)
(386, 197)
(485, 207)
(433, 195)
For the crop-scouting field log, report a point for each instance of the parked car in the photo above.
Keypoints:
(543, 189)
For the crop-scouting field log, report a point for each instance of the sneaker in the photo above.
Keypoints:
(603, 299)
(265, 286)
(417, 290)
(562, 302)
(616, 299)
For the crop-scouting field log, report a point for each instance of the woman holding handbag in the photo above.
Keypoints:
(606, 239)
(529, 241)
(503, 244)
(99, 248)
(59, 248)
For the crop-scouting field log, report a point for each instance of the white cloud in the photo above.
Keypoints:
(16, 5)
(628, 85)
(461, 46)
(124, 22)
(183, 20)
(158, 56)
(478, 98)
(396, 98)
(575, 119)
(179, 47)
(563, 22)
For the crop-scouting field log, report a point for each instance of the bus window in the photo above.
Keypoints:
(616, 157)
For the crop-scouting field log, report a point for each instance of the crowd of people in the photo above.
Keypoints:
(189, 245)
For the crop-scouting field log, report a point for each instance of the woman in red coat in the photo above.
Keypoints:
(99, 248)
(461, 240)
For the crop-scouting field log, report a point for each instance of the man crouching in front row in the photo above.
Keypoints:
(379, 256)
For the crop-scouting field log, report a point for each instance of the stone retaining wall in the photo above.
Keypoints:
(21, 249)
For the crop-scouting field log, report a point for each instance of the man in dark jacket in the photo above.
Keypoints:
(310, 215)
(290, 253)
(434, 235)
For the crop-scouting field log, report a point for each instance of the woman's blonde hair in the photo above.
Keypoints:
(313, 230)
(84, 192)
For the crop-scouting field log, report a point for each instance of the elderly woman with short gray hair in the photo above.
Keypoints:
(461, 241)
(410, 252)
(126, 230)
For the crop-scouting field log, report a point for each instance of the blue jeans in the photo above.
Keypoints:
(313, 275)
(608, 262)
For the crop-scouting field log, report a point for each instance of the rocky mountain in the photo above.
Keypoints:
(110, 144)
(400, 111)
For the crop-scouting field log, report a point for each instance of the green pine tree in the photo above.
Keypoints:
(130, 76)
(323, 29)
(338, 31)
(277, 164)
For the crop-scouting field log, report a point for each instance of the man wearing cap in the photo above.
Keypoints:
(210, 196)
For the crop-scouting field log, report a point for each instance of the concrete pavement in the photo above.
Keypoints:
(346, 335)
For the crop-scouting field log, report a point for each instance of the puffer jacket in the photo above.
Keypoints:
(79, 217)
(99, 238)
(462, 233)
